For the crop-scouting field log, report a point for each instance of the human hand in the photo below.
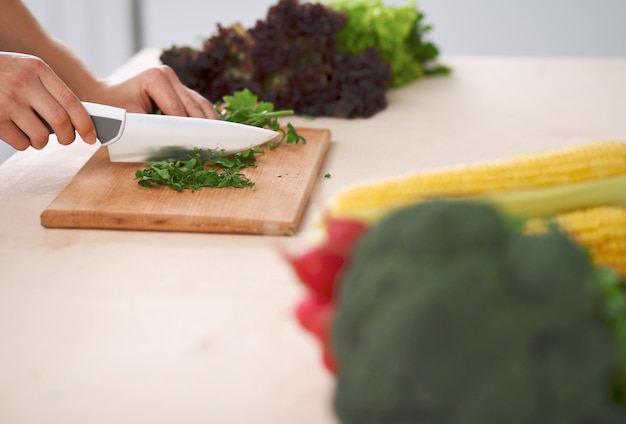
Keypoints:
(155, 88)
(28, 88)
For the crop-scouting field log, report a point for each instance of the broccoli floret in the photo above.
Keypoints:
(449, 315)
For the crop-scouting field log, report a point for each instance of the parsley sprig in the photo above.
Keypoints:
(216, 172)
(202, 170)
(244, 107)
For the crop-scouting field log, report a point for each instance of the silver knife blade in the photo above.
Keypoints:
(138, 137)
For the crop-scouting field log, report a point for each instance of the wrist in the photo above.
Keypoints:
(94, 91)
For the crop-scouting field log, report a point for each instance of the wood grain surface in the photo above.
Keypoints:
(105, 195)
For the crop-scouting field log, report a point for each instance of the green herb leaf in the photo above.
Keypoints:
(203, 170)
(196, 173)
(244, 107)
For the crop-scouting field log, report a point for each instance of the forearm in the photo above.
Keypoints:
(69, 68)
(21, 32)
(47, 58)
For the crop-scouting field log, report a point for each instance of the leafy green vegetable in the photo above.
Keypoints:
(244, 107)
(197, 172)
(203, 169)
(289, 57)
(396, 32)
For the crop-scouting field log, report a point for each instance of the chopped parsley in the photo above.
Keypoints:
(201, 171)
(197, 173)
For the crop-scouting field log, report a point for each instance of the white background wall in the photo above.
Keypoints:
(99, 32)
(102, 33)
(528, 27)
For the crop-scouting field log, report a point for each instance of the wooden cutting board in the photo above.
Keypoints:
(105, 195)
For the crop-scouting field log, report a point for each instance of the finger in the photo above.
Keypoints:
(64, 112)
(31, 126)
(82, 122)
(195, 104)
(157, 86)
(20, 92)
(208, 109)
(55, 117)
(13, 136)
(53, 101)
(192, 107)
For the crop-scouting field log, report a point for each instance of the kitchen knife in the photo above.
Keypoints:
(142, 137)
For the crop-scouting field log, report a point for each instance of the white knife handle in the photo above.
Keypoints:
(108, 120)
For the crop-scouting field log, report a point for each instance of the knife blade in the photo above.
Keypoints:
(141, 137)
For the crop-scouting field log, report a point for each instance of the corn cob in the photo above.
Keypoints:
(532, 184)
(601, 230)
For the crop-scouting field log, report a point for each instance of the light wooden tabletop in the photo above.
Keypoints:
(100, 326)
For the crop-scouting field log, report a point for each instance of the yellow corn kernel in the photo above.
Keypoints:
(602, 230)
(576, 164)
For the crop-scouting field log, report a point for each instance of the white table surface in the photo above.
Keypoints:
(101, 326)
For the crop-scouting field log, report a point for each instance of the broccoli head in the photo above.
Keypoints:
(448, 314)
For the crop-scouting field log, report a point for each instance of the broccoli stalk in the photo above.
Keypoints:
(448, 314)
